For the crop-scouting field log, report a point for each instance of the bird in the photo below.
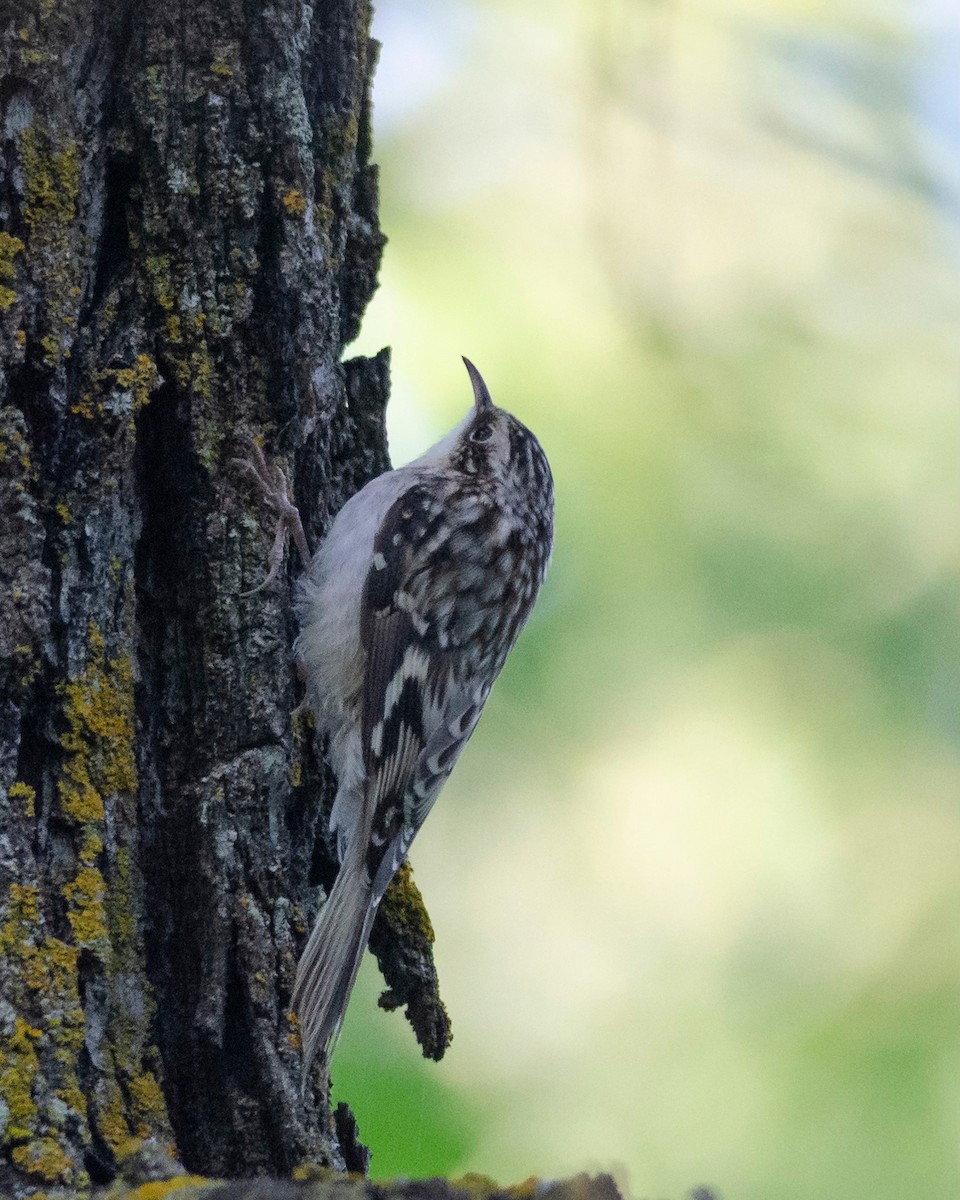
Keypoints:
(407, 612)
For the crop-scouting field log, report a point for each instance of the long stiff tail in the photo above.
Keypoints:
(328, 966)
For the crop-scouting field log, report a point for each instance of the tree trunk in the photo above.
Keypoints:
(189, 239)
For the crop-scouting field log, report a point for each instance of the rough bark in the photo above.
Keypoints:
(189, 238)
(147, 1174)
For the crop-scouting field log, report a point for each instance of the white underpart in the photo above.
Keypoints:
(328, 605)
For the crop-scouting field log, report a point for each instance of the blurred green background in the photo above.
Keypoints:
(695, 881)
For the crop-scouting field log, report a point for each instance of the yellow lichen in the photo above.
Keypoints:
(84, 407)
(24, 901)
(139, 379)
(45, 1158)
(477, 1185)
(201, 371)
(112, 1123)
(120, 910)
(18, 1069)
(70, 1093)
(24, 792)
(313, 1172)
(18, 935)
(219, 67)
(526, 1189)
(44, 974)
(85, 907)
(127, 1149)
(20, 337)
(160, 1188)
(192, 365)
(294, 202)
(44, 965)
(303, 731)
(99, 739)
(158, 270)
(130, 1102)
(21, 449)
(10, 247)
(79, 799)
(51, 177)
(64, 513)
(154, 84)
(403, 906)
(91, 848)
(147, 1103)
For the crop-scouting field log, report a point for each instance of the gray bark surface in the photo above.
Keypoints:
(189, 238)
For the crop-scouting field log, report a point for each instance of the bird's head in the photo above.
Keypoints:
(491, 442)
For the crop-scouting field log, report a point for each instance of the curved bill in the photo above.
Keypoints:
(481, 396)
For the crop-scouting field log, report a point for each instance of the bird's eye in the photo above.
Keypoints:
(482, 433)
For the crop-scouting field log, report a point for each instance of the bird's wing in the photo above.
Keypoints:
(418, 710)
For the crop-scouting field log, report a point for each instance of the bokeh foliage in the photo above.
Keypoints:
(695, 881)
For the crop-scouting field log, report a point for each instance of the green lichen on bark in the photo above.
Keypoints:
(25, 793)
(41, 1033)
(99, 712)
(403, 908)
(102, 896)
(313, 1183)
(10, 247)
(25, 598)
(51, 179)
(402, 940)
(119, 391)
(43, 1026)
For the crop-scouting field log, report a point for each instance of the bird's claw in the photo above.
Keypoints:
(274, 488)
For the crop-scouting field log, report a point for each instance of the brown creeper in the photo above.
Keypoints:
(407, 613)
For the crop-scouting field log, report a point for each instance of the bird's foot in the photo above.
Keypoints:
(273, 486)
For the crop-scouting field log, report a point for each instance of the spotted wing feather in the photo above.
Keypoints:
(420, 703)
